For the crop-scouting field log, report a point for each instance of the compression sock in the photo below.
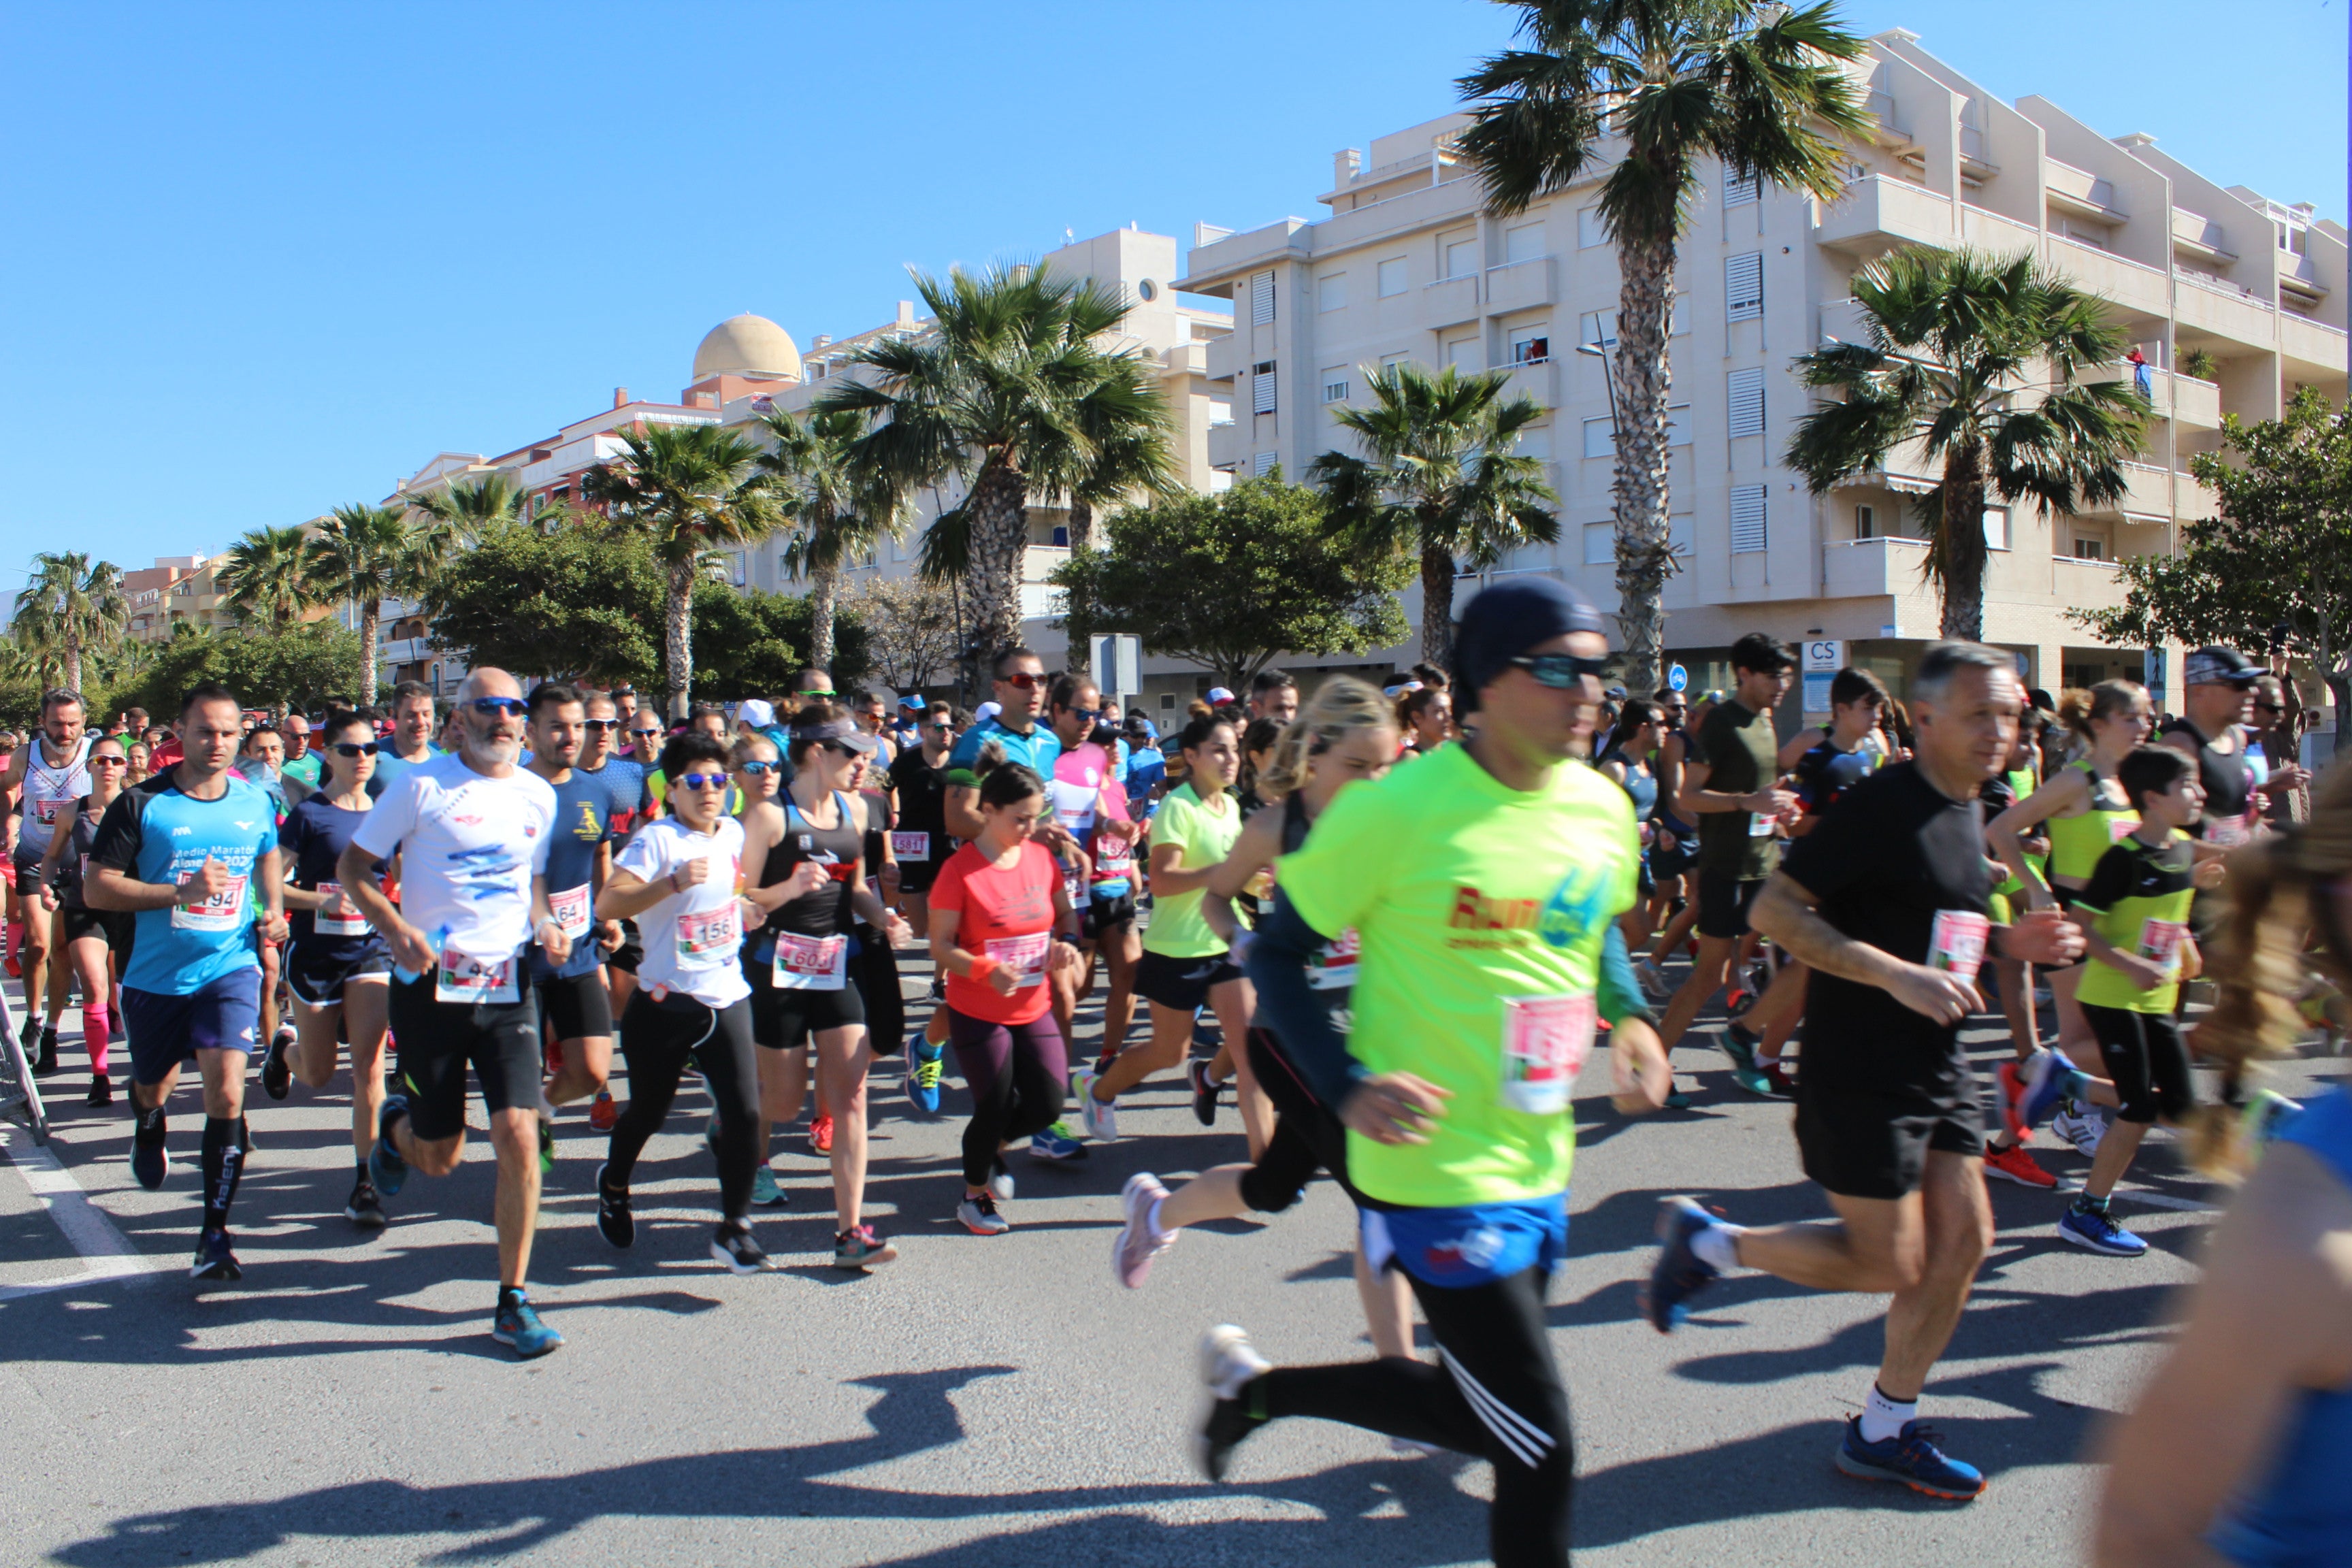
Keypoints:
(1882, 1417)
(2077, 1085)
(224, 1163)
(1717, 1247)
(94, 1034)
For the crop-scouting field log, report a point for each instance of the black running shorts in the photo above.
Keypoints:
(783, 1019)
(438, 1040)
(576, 1007)
(1723, 901)
(1874, 1144)
(1183, 983)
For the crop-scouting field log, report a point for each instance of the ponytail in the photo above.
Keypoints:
(1341, 706)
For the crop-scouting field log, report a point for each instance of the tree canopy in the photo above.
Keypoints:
(577, 600)
(315, 665)
(750, 643)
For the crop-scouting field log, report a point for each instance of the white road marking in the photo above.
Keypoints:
(107, 1253)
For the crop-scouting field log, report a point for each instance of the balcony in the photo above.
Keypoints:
(1224, 356)
(2080, 193)
(1520, 286)
(1878, 213)
(1450, 301)
(2136, 288)
(2086, 585)
(1537, 379)
(2216, 305)
(2150, 496)
(402, 651)
(2194, 234)
(1188, 359)
(1845, 321)
(1869, 568)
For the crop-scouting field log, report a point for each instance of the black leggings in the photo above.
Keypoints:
(1497, 1396)
(1015, 1072)
(2146, 1062)
(1307, 1137)
(657, 1039)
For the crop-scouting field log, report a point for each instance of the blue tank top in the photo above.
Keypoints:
(1639, 782)
(2300, 1516)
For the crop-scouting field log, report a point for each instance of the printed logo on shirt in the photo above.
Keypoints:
(588, 829)
(1474, 911)
(1575, 908)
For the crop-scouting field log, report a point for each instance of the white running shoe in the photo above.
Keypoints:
(2082, 1128)
(1137, 1244)
(1228, 1361)
(1100, 1120)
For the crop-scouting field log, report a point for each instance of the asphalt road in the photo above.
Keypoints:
(984, 1400)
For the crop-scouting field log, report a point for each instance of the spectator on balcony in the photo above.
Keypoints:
(2143, 379)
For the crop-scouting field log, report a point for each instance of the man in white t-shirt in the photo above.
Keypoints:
(472, 831)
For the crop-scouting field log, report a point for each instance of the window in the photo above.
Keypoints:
(1332, 291)
(1866, 522)
(1335, 386)
(1746, 391)
(1392, 277)
(1681, 535)
(1388, 360)
(1261, 298)
(1530, 348)
(1599, 544)
(1220, 412)
(1261, 465)
(1738, 190)
(1262, 386)
(1590, 231)
(1465, 354)
(1743, 286)
(1600, 439)
(1747, 519)
(1147, 290)
(2090, 549)
(1461, 256)
(1535, 441)
(1524, 243)
(1996, 527)
(1678, 424)
(1597, 327)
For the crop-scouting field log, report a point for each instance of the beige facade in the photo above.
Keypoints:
(1406, 266)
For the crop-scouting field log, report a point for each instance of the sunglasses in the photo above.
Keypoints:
(1558, 670)
(703, 781)
(1085, 715)
(598, 726)
(1023, 680)
(491, 707)
(647, 735)
(104, 762)
(756, 768)
(356, 749)
(814, 691)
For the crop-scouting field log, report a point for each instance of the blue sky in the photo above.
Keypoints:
(266, 259)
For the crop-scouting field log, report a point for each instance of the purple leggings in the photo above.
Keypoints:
(1016, 1073)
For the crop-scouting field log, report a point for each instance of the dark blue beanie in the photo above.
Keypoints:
(1503, 622)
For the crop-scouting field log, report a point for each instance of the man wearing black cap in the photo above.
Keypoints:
(2220, 683)
(1482, 883)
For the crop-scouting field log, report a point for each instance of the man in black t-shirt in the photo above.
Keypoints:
(1886, 902)
(918, 778)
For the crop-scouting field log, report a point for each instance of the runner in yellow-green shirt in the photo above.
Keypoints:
(1484, 884)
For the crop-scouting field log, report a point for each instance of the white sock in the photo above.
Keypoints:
(1151, 1220)
(1883, 1418)
(1717, 1247)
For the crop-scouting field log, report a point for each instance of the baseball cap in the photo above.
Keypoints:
(2218, 665)
(841, 731)
(1218, 695)
(916, 702)
(986, 710)
(756, 713)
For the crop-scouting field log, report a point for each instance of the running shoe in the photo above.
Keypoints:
(1102, 1062)
(1100, 1120)
(2095, 1230)
(978, 1212)
(731, 1244)
(1055, 1143)
(765, 1193)
(2014, 1164)
(101, 1090)
(518, 1326)
(150, 1162)
(2029, 1089)
(1204, 1092)
(2081, 1127)
(925, 1063)
(1911, 1457)
(1783, 1072)
(1000, 1180)
(546, 1147)
(386, 1169)
(30, 1034)
(47, 1062)
(277, 1073)
(214, 1259)
(1677, 1099)
(364, 1208)
(613, 1217)
(1740, 1042)
(861, 1249)
(1137, 1244)
(1229, 1364)
(1653, 980)
(1678, 1274)
(2266, 1114)
(601, 1111)
(821, 1134)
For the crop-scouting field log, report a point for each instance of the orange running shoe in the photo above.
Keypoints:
(821, 1134)
(602, 1112)
(2014, 1164)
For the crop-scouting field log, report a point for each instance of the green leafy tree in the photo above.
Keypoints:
(570, 601)
(1013, 391)
(73, 607)
(2278, 554)
(752, 641)
(266, 577)
(362, 555)
(1960, 343)
(308, 668)
(687, 490)
(1658, 85)
(1441, 483)
(840, 504)
(1231, 580)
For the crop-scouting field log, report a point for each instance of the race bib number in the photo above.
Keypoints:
(2229, 832)
(2159, 943)
(45, 812)
(811, 963)
(1114, 856)
(1545, 1042)
(1024, 955)
(570, 908)
(2121, 827)
(462, 978)
(1760, 825)
(224, 911)
(1956, 944)
(911, 845)
(1333, 968)
(338, 916)
(703, 932)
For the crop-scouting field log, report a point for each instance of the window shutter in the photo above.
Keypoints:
(1743, 286)
(1747, 397)
(1599, 544)
(1261, 465)
(1738, 189)
(1261, 298)
(1747, 519)
(1262, 386)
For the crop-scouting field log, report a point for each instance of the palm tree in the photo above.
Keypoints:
(267, 576)
(691, 488)
(1439, 481)
(453, 517)
(72, 606)
(362, 555)
(838, 506)
(1657, 84)
(1960, 343)
(1011, 391)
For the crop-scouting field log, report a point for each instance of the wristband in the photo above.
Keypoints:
(982, 967)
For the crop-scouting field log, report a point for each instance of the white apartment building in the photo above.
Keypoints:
(1406, 266)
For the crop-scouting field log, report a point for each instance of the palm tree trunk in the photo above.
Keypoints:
(370, 613)
(823, 585)
(1962, 547)
(1644, 554)
(677, 637)
(73, 661)
(999, 535)
(1082, 537)
(1437, 608)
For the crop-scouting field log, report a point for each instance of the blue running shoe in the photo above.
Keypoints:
(765, 1193)
(925, 1062)
(2030, 1089)
(518, 1326)
(386, 1169)
(1678, 1275)
(2095, 1230)
(1055, 1143)
(214, 1259)
(1739, 1043)
(1911, 1457)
